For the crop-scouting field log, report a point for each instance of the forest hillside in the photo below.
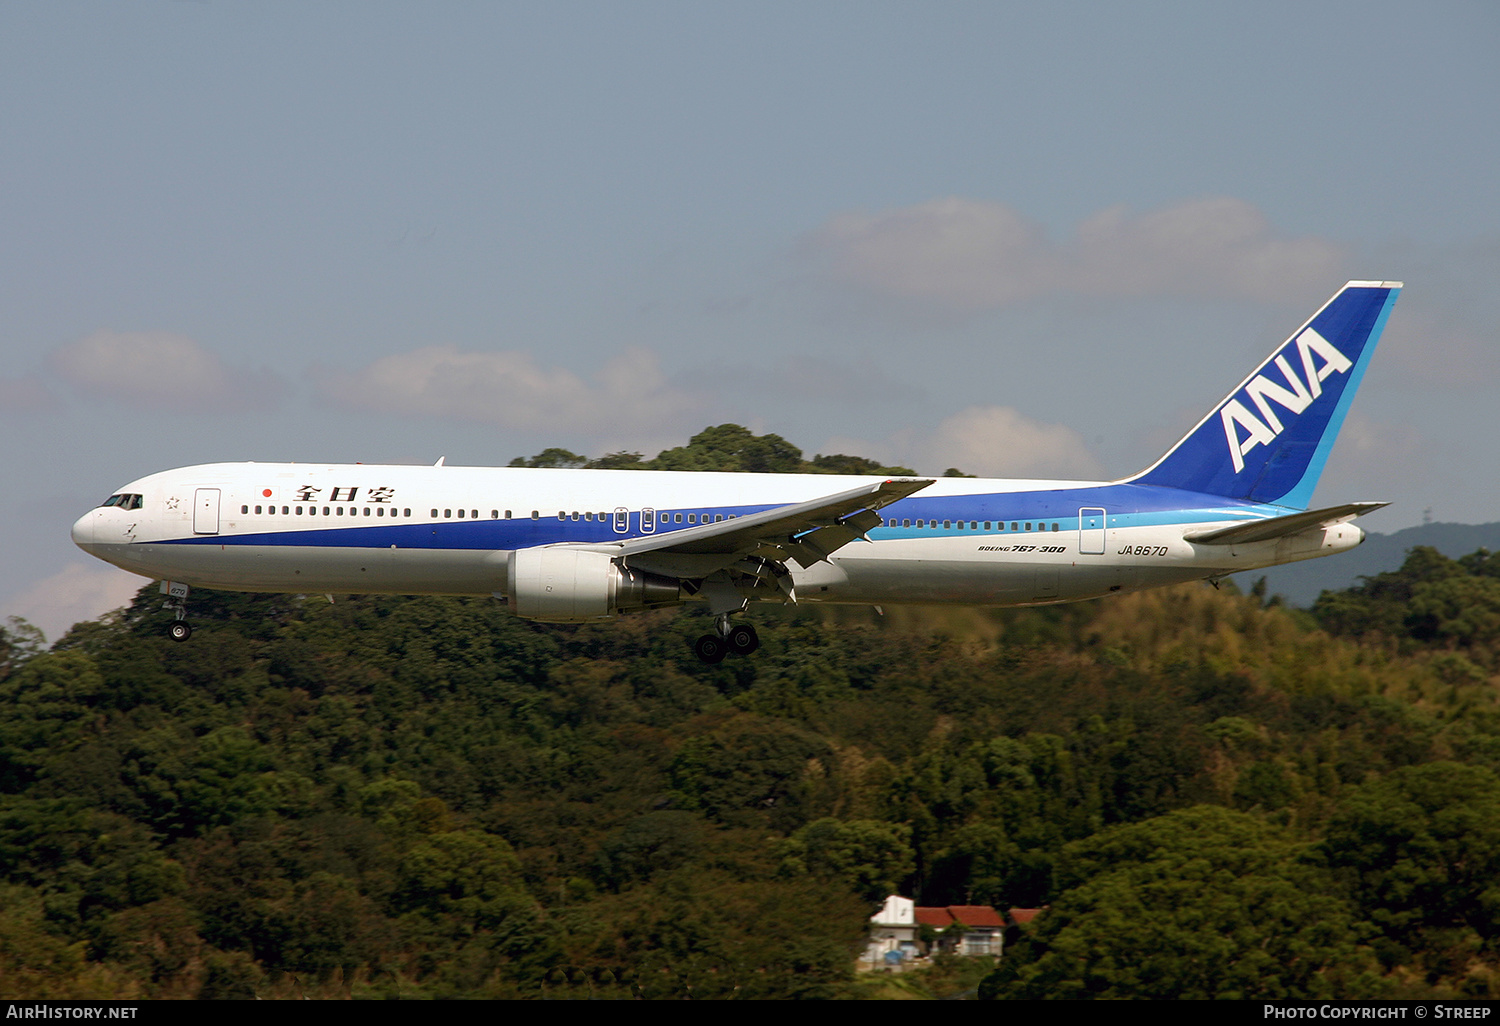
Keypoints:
(1209, 794)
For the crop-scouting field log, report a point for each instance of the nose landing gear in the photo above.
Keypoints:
(179, 629)
(739, 638)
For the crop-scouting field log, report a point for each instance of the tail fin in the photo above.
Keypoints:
(1269, 438)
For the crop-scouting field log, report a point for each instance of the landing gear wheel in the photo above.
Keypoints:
(710, 648)
(743, 640)
(180, 630)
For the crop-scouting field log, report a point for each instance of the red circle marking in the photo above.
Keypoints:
(266, 493)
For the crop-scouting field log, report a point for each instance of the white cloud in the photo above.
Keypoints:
(78, 592)
(969, 255)
(990, 441)
(158, 367)
(512, 390)
(997, 441)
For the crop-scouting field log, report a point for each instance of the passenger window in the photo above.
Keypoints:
(692, 518)
(1014, 526)
(244, 509)
(257, 509)
(536, 514)
(1054, 527)
(299, 511)
(677, 518)
(588, 516)
(986, 525)
(960, 525)
(473, 514)
(367, 511)
(406, 512)
(947, 524)
(460, 514)
(906, 523)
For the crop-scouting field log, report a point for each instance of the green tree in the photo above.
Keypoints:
(550, 459)
(1199, 903)
(1380, 604)
(731, 447)
(1420, 851)
(1461, 610)
(856, 465)
(872, 858)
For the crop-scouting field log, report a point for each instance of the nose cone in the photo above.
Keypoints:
(83, 531)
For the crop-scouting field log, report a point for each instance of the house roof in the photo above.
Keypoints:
(1022, 916)
(976, 915)
(969, 915)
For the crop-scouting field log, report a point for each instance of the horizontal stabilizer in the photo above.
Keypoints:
(1280, 527)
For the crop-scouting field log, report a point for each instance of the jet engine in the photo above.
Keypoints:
(568, 585)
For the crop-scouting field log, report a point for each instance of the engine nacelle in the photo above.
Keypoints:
(565, 585)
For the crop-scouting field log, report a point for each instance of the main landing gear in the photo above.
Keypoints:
(739, 638)
(179, 629)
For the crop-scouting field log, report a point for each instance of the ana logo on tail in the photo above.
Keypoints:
(1262, 391)
(1279, 423)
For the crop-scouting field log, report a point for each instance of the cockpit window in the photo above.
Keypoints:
(125, 501)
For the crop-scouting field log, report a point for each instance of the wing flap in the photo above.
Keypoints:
(1279, 527)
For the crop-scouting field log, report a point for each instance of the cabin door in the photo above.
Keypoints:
(1091, 531)
(206, 511)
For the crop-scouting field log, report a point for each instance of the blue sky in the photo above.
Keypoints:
(1023, 239)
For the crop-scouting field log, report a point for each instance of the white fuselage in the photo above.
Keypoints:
(362, 528)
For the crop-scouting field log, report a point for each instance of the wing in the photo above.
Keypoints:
(805, 532)
(1277, 527)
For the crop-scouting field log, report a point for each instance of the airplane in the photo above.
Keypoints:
(574, 546)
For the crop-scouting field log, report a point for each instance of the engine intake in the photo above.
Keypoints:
(565, 585)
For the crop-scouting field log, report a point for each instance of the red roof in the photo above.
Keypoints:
(969, 915)
(937, 917)
(976, 915)
(1022, 916)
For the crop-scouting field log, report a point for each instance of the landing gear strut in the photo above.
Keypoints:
(740, 639)
(179, 629)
